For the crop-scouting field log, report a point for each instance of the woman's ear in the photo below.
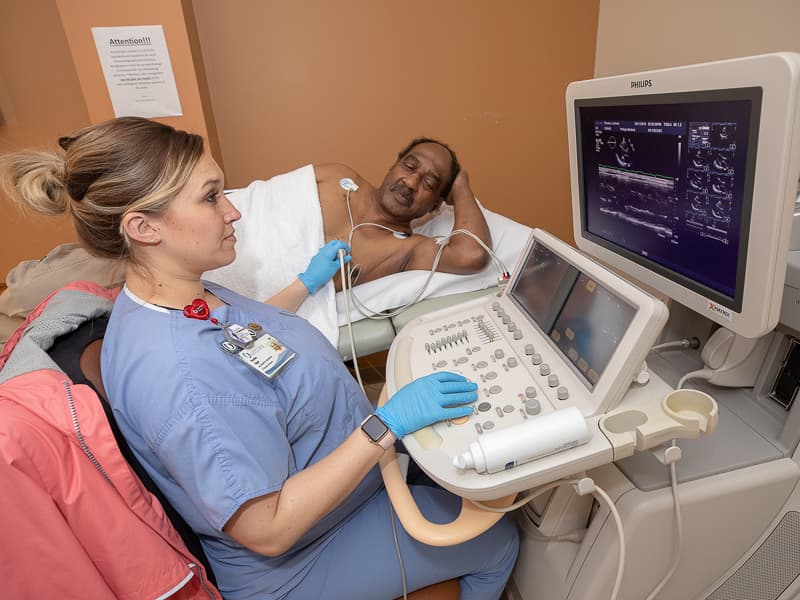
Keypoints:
(138, 227)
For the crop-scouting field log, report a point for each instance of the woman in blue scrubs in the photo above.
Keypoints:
(242, 412)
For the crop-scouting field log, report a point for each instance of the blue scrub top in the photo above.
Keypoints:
(213, 433)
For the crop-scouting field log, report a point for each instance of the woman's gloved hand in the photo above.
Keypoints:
(324, 265)
(427, 400)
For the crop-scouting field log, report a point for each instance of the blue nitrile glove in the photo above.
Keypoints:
(427, 400)
(324, 265)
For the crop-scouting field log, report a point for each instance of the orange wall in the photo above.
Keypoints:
(51, 83)
(352, 81)
(280, 84)
(40, 99)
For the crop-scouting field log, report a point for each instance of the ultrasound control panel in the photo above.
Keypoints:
(564, 332)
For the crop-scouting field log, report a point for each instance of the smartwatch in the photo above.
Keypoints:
(377, 432)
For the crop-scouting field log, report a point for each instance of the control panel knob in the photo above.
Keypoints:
(562, 393)
(530, 392)
(544, 369)
(536, 359)
(528, 349)
(511, 362)
(506, 320)
(517, 335)
(532, 406)
(552, 380)
(499, 353)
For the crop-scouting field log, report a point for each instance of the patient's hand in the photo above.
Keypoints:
(460, 188)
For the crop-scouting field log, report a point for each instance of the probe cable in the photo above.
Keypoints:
(582, 486)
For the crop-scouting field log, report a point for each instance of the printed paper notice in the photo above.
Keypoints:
(138, 71)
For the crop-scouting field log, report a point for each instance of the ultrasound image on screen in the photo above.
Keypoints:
(543, 284)
(664, 181)
(590, 326)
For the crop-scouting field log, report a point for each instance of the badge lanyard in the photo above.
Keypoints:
(256, 348)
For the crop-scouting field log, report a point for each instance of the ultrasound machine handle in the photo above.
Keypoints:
(471, 520)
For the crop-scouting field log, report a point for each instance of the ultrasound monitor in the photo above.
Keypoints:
(685, 180)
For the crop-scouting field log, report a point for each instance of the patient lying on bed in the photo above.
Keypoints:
(376, 222)
(286, 219)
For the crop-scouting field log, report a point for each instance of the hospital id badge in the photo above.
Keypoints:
(266, 355)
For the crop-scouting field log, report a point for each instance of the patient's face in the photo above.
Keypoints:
(413, 186)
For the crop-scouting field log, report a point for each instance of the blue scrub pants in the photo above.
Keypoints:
(361, 561)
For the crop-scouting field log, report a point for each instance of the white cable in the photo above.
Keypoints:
(681, 344)
(397, 550)
(678, 533)
(703, 374)
(524, 500)
(599, 492)
(350, 323)
(699, 374)
(378, 315)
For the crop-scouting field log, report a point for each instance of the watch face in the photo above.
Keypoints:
(374, 428)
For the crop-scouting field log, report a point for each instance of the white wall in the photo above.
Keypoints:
(638, 35)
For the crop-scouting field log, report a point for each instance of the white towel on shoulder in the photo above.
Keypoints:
(280, 231)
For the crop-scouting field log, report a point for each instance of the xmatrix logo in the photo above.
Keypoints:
(720, 310)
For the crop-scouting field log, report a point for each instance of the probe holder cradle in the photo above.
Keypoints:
(646, 424)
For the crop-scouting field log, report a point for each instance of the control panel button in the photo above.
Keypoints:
(491, 375)
(544, 369)
(552, 380)
(528, 349)
(562, 393)
(536, 359)
(530, 392)
(499, 353)
(484, 406)
(517, 335)
(532, 407)
(511, 362)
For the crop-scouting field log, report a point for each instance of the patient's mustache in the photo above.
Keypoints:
(402, 189)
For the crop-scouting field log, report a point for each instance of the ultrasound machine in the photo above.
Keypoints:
(636, 394)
